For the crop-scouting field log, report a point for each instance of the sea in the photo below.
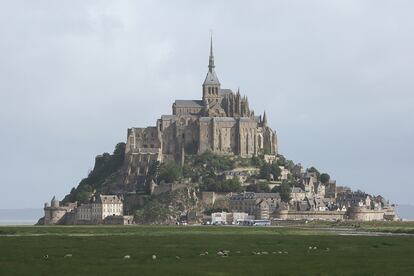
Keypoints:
(20, 216)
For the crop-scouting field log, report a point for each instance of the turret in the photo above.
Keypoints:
(54, 203)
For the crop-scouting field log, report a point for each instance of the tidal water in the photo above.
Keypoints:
(20, 216)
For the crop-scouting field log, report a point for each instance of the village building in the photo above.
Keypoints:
(257, 204)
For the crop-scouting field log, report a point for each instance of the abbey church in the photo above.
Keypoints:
(221, 122)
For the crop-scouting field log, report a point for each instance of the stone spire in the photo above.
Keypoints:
(211, 78)
(211, 57)
(264, 120)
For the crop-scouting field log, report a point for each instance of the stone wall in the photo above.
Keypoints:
(310, 215)
(363, 214)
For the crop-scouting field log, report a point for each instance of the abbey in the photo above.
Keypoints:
(221, 122)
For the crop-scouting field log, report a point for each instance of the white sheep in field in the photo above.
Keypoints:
(127, 257)
(68, 256)
(154, 257)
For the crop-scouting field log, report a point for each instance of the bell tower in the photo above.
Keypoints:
(211, 85)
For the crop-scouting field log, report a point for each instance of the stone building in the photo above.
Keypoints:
(98, 209)
(261, 205)
(57, 213)
(221, 122)
(103, 206)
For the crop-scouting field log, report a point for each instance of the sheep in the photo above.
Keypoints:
(68, 256)
(127, 257)
(45, 257)
(220, 253)
(154, 257)
(177, 257)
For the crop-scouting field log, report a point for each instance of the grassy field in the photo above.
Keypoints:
(372, 226)
(101, 251)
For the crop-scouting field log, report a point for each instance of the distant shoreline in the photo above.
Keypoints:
(30, 216)
(17, 222)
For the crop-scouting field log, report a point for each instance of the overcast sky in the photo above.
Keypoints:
(335, 77)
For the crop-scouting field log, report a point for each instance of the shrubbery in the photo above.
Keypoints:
(284, 190)
(215, 185)
(105, 165)
(169, 172)
(261, 187)
(266, 170)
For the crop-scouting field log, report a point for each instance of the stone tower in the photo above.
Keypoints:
(211, 85)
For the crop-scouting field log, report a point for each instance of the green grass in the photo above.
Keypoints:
(100, 251)
(372, 226)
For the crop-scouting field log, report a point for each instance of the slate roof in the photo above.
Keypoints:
(246, 119)
(224, 119)
(109, 199)
(226, 91)
(168, 117)
(252, 195)
(211, 78)
(188, 103)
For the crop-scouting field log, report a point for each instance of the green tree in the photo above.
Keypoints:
(266, 170)
(153, 212)
(284, 191)
(314, 170)
(261, 187)
(214, 185)
(153, 171)
(324, 178)
(257, 161)
(275, 170)
(169, 172)
(105, 166)
(281, 160)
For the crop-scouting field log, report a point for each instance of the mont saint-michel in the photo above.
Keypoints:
(212, 160)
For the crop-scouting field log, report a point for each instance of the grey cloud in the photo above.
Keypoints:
(334, 77)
